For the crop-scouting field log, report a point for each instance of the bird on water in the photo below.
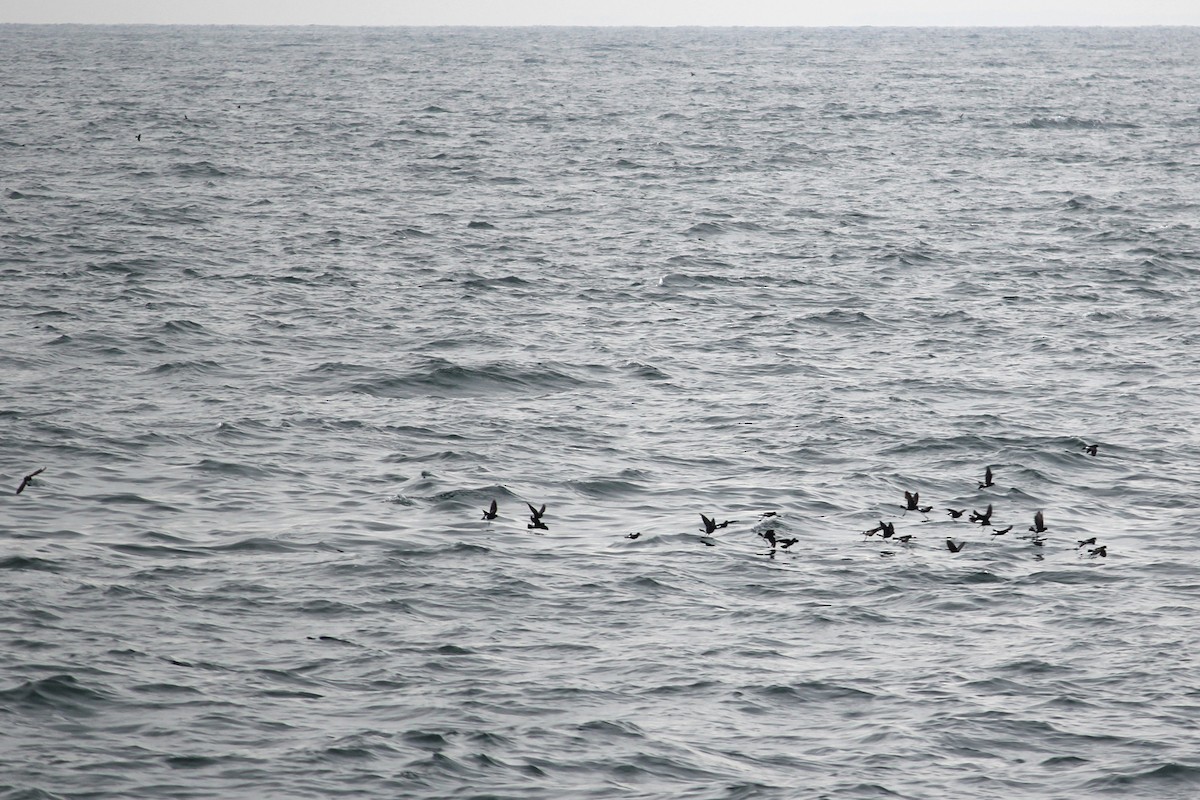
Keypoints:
(786, 543)
(1091, 449)
(1083, 542)
(28, 479)
(1038, 525)
(711, 525)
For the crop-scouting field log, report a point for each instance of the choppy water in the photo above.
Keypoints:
(351, 285)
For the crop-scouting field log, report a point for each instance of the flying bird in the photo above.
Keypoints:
(490, 513)
(786, 543)
(1101, 551)
(535, 517)
(911, 498)
(985, 518)
(1091, 449)
(888, 529)
(633, 535)
(987, 479)
(711, 525)
(1002, 532)
(1038, 526)
(954, 548)
(28, 479)
(1085, 542)
(955, 513)
(769, 535)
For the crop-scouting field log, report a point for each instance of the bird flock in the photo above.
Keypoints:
(885, 530)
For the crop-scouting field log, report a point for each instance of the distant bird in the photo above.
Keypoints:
(954, 548)
(770, 514)
(888, 529)
(1091, 449)
(139, 137)
(906, 538)
(875, 530)
(490, 513)
(1002, 532)
(786, 543)
(633, 535)
(709, 543)
(535, 517)
(1101, 551)
(711, 525)
(910, 499)
(987, 479)
(924, 509)
(769, 535)
(1038, 526)
(985, 518)
(1085, 542)
(28, 479)
(955, 513)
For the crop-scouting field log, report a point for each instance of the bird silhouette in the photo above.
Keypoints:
(910, 499)
(490, 513)
(711, 525)
(887, 529)
(633, 535)
(954, 548)
(1101, 551)
(1083, 542)
(955, 513)
(987, 479)
(1091, 449)
(1038, 526)
(1002, 531)
(28, 479)
(535, 517)
(769, 535)
(985, 518)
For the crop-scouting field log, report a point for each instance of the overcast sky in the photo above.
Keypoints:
(608, 12)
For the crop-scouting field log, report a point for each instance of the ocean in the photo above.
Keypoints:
(283, 310)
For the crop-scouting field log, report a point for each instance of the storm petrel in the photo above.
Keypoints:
(987, 479)
(954, 548)
(1038, 526)
(910, 499)
(1090, 449)
(28, 479)
(1085, 541)
(490, 513)
(955, 513)
(985, 518)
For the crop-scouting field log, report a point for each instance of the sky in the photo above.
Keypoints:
(606, 12)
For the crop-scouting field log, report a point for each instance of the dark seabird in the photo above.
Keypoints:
(770, 514)
(538, 524)
(633, 535)
(490, 513)
(711, 525)
(769, 535)
(874, 530)
(1002, 531)
(1086, 541)
(924, 509)
(906, 538)
(28, 479)
(987, 479)
(139, 137)
(955, 513)
(535, 517)
(954, 548)
(910, 499)
(1037, 526)
(985, 518)
(1101, 551)
(888, 529)
(1090, 449)
(786, 543)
